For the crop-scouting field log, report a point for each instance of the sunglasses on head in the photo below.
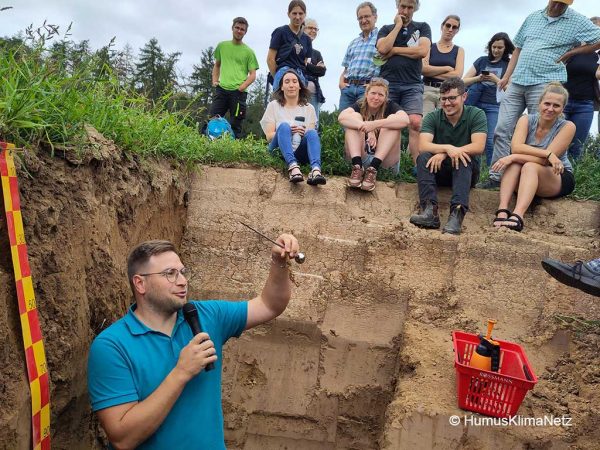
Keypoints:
(380, 80)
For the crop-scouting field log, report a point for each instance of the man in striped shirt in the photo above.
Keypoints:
(358, 60)
(546, 40)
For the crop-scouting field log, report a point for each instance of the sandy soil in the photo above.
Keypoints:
(362, 358)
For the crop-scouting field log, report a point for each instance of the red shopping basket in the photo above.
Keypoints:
(496, 394)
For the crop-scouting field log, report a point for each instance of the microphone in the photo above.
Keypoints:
(190, 313)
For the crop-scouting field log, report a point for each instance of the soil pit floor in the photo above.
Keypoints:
(362, 358)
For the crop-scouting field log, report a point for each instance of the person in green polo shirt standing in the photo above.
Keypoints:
(234, 70)
(450, 144)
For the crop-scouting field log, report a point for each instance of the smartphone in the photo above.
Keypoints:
(485, 72)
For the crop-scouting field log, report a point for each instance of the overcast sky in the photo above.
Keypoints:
(189, 26)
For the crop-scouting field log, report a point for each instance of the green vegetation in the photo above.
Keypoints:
(48, 93)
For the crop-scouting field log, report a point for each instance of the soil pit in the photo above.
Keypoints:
(361, 359)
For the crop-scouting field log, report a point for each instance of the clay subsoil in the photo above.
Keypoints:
(361, 359)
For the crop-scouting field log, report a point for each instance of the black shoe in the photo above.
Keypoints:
(455, 219)
(428, 218)
(489, 184)
(577, 275)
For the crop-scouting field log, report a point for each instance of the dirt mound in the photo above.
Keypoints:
(362, 358)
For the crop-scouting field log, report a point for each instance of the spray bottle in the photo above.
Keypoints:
(487, 354)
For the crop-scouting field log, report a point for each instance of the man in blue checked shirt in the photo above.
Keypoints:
(358, 60)
(546, 40)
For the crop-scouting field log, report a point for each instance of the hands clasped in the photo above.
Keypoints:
(458, 155)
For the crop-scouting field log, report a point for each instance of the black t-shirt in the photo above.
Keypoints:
(292, 50)
(488, 89)
(390, 108)
(581, 76)
(401, 69)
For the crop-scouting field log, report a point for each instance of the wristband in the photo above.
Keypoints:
(549, 155)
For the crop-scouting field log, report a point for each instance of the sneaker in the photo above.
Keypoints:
(356, 177)
(368, 183)
(428, 218)
(489, 184)
(577, 275)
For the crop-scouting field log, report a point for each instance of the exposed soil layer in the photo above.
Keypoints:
(362, 358)
(82, 215)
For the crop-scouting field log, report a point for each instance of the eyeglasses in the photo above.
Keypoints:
(450, 98)
(451, 27)
(171, 274)
(380, 80)
(361, 18)
(311, 28)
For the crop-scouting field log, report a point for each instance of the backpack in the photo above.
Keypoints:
(218, 127)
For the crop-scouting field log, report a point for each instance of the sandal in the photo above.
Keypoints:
(517, 221)
(295, 177)
(500, 219)
(315, 178)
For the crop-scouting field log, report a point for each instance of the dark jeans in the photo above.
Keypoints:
(461, 180)
(581, 113)
(232, 101)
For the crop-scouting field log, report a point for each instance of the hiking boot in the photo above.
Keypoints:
(368, 183)
(455, 219)
(355, 180)
(489, 184)
(578, 275)
(428, 218)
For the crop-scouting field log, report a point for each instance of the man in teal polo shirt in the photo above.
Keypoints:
(146, 376)
(450, 144)
(545, 42)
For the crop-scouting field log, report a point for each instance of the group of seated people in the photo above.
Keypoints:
(451, 142)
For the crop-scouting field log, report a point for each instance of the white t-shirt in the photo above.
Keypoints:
(277, 114)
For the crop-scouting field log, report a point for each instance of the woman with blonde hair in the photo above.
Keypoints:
(372, 133)
(538, 164)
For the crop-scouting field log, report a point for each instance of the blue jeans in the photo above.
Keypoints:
(309, 150)
(350, 95)
(491, 113)
(581, 113)
(516, 99)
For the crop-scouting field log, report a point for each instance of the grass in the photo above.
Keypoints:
(41, 103)
(578, 324)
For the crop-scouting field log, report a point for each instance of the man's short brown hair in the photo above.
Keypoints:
(141, 254)
(241, 20)
(453, 83)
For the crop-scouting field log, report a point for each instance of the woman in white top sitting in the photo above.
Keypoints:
(281, 121)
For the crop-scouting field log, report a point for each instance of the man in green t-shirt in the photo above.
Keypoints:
(234, 70)
(450, 144)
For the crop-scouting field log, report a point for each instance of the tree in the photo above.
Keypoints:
(254, 112)
(155, 72)
(124, 66)
(201, 83)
